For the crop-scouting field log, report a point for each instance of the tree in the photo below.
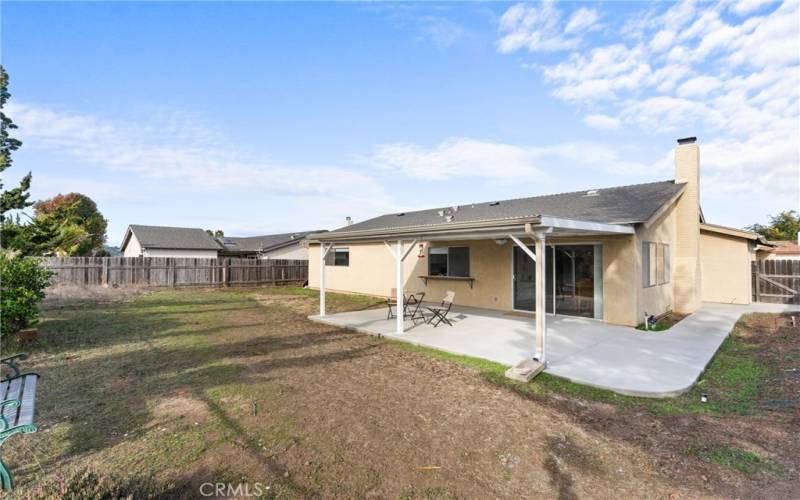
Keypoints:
(70, 224)
(783, 226)
(219, 233)
(16, 198)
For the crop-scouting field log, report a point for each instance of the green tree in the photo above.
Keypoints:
(219, 233)
(16, 198)
(783, 226)
(69, 224)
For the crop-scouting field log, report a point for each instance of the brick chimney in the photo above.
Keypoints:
(686, 273)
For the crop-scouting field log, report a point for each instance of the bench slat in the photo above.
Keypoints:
(4, 389)
(28, 401)
(14, 391)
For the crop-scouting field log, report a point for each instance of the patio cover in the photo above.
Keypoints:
(400, 242)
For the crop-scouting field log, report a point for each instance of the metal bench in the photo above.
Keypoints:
(17, 401)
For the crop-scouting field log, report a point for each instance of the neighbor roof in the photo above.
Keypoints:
(184, 238)
(784, 247)
(615, 205)
(265, 242)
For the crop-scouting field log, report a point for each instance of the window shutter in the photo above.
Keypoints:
(645, 264)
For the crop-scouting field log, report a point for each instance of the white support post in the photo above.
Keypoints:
(323, 252)
(400, 313)
(541, 326)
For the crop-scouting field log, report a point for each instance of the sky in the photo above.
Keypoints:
(259, 118)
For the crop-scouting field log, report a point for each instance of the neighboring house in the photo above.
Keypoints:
(160, 241)
(270, 246)
(614, 254)
(782, 250)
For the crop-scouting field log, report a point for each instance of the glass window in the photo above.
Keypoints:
(660, 263)
(458, 263)
(653, 258)
(338, 257)
(448, 261)
(655, 264)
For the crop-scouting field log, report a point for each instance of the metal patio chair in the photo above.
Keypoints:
(440, 313)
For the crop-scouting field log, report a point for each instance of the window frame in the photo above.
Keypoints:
(660, 268)
(448, 266)
(330, 259)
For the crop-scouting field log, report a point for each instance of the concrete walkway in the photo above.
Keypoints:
(586, 351)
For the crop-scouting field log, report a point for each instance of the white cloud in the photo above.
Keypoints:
(699, 86)
(458, 158)
(443, 32)
(693, 69)
(536, 28)
(743, 7)
(189, 158)
(582, 19)
(602, 122)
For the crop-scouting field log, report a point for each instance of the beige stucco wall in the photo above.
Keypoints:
(725, 264)
(297, 251)
(371, 271)
(658, 299)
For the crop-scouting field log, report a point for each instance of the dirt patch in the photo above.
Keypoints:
(182, 406)
(69, 296)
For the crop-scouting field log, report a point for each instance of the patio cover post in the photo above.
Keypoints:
(541, 326)
(323, 252)
(400, 316)
(540, 241)
(399, 256)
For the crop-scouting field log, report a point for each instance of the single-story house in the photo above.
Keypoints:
(614, 254)
(270, 246)
(161, 241)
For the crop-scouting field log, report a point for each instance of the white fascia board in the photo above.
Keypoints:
(598, 227)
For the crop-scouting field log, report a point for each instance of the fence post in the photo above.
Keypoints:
(226, 273)
(758, 281)
(104, 272)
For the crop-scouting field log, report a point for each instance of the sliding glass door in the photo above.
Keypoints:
(573, 280)
(523, 277)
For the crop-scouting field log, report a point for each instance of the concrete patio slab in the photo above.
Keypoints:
(585, 351)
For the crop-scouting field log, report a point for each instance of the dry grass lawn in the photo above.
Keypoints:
(193, 386)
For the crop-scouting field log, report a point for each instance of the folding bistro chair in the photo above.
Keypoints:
(391, 302)
(440, 313)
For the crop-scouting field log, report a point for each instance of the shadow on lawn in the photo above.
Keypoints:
(106, 396)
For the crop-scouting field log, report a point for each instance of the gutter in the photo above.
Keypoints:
(486, 229)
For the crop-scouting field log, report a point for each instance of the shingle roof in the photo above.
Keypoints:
(615, 205)
(174, 237)
(785, 247)
(265, 242)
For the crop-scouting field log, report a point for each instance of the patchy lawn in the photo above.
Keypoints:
(173, 389)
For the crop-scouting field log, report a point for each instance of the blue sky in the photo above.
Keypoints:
(259, 118)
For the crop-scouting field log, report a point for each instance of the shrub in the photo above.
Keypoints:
(22, 284)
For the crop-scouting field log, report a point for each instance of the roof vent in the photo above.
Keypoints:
(401, 214)
(687, 140)
(494, 203)
(592, 192)
(454, 208)
(449, 218)
(441, 213)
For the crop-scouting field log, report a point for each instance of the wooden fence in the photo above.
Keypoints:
(776, 281)
(171, 272)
